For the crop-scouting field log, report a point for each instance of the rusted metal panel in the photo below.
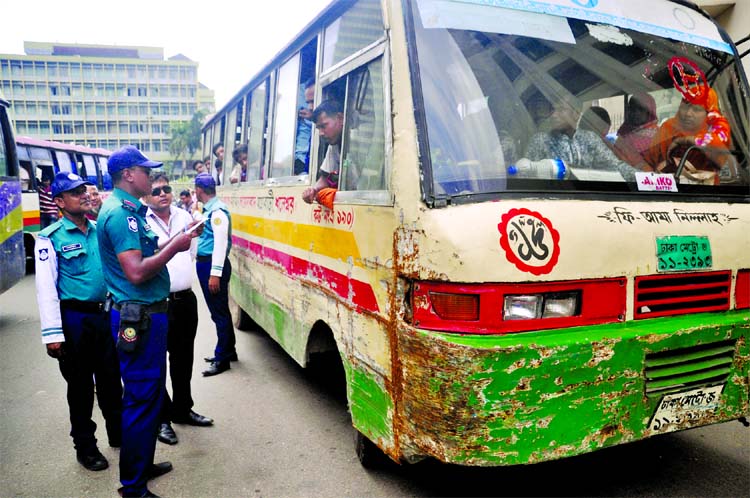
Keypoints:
(541, 396)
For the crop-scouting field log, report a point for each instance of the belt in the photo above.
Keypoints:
(82, 306)
(158, 307)
(203, 259)
(176, 296)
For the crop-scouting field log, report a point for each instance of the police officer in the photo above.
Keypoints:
(75, 327)
(213, 268)
(136, 276)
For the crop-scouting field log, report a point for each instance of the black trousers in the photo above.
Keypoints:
(183, 325)
(89, 352)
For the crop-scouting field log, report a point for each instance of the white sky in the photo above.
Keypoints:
(231, 40)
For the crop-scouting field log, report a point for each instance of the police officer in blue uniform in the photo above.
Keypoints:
(137, 278)
(75, 326)
(213, 268)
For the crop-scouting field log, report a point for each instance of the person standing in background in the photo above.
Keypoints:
(167, 220)
(214, 271)
(48, 212)
(96, 202)
(75, 326)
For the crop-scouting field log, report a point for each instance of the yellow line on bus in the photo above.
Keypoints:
(336, 244)
(11, 224)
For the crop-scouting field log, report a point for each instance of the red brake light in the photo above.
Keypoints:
(455, 306)
(742, 290)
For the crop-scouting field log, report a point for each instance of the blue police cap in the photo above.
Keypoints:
(205, 180)
(127, 157)
(65, 182)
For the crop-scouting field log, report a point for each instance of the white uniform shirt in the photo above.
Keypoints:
(46, 292)
(181, 267)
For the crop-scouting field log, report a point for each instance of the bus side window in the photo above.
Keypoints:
(257, 120)
(363, 157)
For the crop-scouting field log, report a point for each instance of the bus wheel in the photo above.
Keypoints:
(369, 455)
(240, 319)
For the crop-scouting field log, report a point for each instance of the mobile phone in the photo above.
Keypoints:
(192, 228)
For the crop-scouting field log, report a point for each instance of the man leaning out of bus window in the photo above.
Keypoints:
(329, 120)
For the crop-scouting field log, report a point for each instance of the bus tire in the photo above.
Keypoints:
(240, 319)
(370, 456)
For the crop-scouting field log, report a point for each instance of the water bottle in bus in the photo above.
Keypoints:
(546, 169)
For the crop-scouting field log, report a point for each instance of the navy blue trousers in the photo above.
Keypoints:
(89, 353)
(144, 373)
(218, 305)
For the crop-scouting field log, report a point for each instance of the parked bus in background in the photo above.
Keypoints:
(11, 220)
(39, 159)
(500, 284)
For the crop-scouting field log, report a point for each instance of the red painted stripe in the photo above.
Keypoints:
(31, 221)
(361, 293)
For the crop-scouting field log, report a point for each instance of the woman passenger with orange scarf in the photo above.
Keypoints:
(698, 122)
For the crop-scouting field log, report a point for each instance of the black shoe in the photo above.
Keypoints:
(216, 368)
(159, 469)
(167, 434)
(192, 418)
(212, 359)
(92, 460)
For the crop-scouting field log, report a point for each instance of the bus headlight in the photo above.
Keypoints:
(533, 306)
(522, 307)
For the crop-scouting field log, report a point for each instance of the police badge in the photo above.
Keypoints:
(132, 224)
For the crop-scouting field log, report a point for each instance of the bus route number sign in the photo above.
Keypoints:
(683, 252)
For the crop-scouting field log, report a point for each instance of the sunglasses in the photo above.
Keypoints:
(157, 191)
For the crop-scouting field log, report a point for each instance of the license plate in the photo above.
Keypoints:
(679, 253)
(675, 410)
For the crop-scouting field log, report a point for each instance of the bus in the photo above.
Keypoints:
(40, 159)
(502, 284)
(11, 219)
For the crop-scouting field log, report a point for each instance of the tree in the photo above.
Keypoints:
(186, 137)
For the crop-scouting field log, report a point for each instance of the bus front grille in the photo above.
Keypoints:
(679, 294)
(680, 369)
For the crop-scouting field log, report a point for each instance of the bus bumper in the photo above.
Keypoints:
(537, 396)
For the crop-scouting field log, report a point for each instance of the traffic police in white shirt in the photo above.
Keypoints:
(167, 220)
(75, 325)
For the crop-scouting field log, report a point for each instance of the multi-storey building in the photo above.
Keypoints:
(102, 96)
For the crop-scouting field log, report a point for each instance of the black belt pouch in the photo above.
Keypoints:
(135, 323)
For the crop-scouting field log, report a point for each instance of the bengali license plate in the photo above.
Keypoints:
(679, 253)
(674, 410)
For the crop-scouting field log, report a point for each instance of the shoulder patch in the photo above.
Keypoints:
(132, 224)
(43, 254)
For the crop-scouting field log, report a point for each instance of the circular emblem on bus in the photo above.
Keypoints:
(529, 240)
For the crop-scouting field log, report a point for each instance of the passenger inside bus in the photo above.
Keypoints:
(329, 120)
(637, 130)
(698, 122)
(581, 150)
(304, 130)
(239, 171)
(596, 119)
(218, 150)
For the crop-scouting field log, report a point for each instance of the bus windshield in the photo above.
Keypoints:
(522, 101)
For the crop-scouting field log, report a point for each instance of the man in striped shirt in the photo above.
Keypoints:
(48, 212)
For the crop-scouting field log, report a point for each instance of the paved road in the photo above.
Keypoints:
(281, 431)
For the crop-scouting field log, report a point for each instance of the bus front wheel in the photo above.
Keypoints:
(369, 455)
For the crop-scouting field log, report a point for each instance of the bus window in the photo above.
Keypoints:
(24, 162)
(217, 151)
(305, 101)
(104, 172)
(363, 157)
(89, 169)
(64, 162)
(285, 113)
(356, 29)
(257, 121)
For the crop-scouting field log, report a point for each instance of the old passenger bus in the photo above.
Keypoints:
(504, 281)
(11, 220)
